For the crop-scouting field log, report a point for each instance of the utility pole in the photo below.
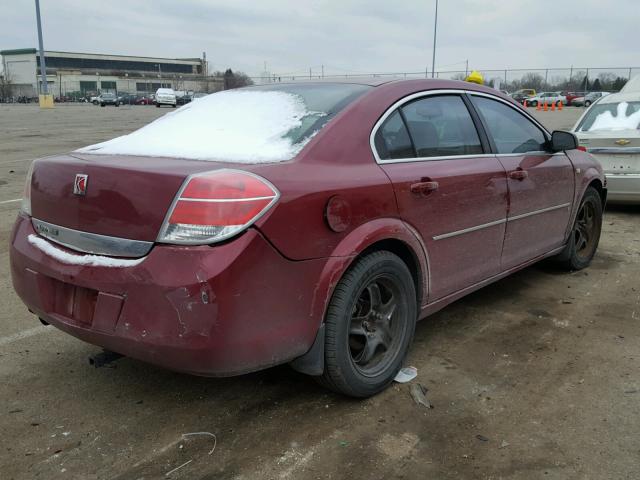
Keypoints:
(309, 73)
(46, 101)
(466, 69)
(435, 29)
(322, 71)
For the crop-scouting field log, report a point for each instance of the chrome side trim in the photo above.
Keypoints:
(614, 150)
(91, 242)
(499, 222)
(436, 159)
(469, 230)
(536, 212)
(524, 154)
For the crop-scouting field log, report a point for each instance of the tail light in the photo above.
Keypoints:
(25, 206)
(581, 148)
(213, 206)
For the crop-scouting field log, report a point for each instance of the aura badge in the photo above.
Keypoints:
(80, 184)
(623, 141)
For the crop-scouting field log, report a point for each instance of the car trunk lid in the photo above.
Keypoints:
(617, 151)
(123, 196)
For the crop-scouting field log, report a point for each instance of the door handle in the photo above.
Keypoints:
(518, 174)
(424, 186)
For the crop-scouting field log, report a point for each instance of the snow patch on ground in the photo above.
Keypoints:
(235, 126)
(84, 260)
(606, 121)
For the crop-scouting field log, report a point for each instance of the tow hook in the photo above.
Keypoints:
(104, 359)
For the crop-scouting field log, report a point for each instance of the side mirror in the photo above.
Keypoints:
(561, 141)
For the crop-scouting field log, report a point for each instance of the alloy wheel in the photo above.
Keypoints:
(377, 322)
(585, 230)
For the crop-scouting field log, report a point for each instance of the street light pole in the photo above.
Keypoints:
(435, 29)
(44, 88)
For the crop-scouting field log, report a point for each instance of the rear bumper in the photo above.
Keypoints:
(623, 188)
(213, 311)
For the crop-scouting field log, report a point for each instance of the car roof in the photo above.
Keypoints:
(425, 83)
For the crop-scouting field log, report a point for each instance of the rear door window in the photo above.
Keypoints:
(441, 126)
(511, 131)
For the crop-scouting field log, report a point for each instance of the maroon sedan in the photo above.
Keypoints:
(310, 223)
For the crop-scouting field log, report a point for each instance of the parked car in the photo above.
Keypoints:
(523, 94)
(127, 99)
(143, 100)
(588, 99)
(610, 131)
(550, 98)
(198, 95)
(95, 99)
(198, 243)
(570, 96)
(183, 100)
(165, 96)
(108, 99)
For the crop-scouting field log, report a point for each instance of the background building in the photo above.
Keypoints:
(83, 74)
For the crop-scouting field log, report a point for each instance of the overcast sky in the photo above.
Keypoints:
(344, 35)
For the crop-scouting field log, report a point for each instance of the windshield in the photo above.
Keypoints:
(611, 116)
(258, 124)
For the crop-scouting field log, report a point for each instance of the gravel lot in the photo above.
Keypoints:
(536, 376)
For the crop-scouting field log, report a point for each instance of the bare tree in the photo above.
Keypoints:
(532, 80)
(235, 79)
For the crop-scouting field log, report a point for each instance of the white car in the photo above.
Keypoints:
(610, 131)
(166, 96)
(552, 98)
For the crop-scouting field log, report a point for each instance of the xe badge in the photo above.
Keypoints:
(80, 184)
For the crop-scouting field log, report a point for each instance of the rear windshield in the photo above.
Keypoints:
(322, 102)
(611, 116)
(266, 123)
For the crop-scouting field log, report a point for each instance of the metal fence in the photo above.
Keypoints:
(570, 78)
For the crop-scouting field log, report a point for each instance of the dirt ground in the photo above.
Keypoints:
(534, 377)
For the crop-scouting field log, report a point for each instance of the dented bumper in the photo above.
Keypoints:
(214, 311)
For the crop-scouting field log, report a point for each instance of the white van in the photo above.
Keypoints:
(165, 96)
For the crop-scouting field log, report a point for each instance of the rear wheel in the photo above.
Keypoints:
(158, 105)
(369, 325)
(533, 103)
(585, 234)
(587, 103)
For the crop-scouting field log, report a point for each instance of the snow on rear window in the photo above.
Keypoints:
(601, 117)
(236, 126)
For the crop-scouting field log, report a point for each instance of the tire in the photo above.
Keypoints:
(102, 104)
(158, 105)
(117, 105)
(585, 233)
(587, 103)
(373, 304)
(534, 103)
(174, 106)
